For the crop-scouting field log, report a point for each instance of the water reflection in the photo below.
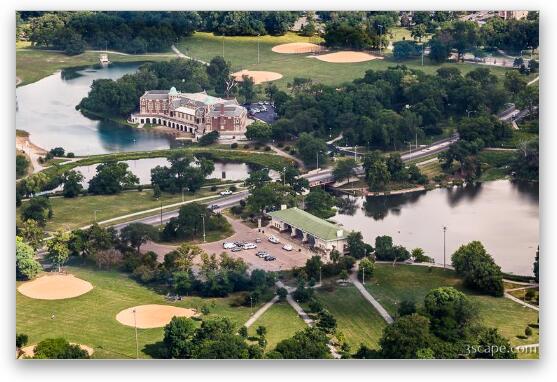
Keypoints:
(503, 215)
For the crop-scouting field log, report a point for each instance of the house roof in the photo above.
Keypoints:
(309, 223)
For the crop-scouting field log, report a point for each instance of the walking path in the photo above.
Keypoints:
(534, 80)
(519, 301)
(260, 312)
(182, 55)
(286, 155)
(386, 316)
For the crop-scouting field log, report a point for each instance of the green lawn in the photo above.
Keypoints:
(34, 64)
(356, 318)
(241, 52)
(391, 285)
(71, 213)
(281, 322)
(90, 319)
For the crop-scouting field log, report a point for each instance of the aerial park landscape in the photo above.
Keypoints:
(277, 185)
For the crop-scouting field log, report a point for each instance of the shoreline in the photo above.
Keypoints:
(24, 144)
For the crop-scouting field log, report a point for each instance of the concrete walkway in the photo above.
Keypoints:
(386, 316)
(519, 301)
(182, 55)
(283, 153)
(260, 312)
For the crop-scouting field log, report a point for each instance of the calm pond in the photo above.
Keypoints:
(503, 215)
(46, 109)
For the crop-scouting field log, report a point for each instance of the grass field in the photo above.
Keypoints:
(71, 213)
(34, 64)
(356, 318)
(90, 319)
(241, 52)
(281, 322)
(390, 285)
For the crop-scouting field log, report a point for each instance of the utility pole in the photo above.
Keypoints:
(136, 342)
(423, 48)
(380, 33)
(444, 248)
(203, 217)
(317, 156)
(364, 276)
(161, 212)
(284, 176)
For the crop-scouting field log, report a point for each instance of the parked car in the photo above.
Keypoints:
(250, 246)
(258, 240)
(239, 243)
(274, 240)
(261, 254)
(226, 192)
(228, 245)
(287, 247)
(214, 206)
(236, 249)
(270, 258)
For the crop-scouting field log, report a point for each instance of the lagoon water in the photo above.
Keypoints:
(503, 215)
(46, 109)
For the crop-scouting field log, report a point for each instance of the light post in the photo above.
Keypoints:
(223, 46)
(251, 304)
(380, 33)
(258, 49)
(161, 213)
(284, 176)
(363, 276)
(203, 218)
(136, 342)
(320, 274)
(468, 112)
(444, 247)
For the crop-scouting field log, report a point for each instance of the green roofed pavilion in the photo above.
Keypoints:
(310, 224)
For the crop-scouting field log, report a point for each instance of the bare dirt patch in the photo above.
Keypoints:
(347, 57)
(152, 316)
(297, 47)
(257, 76)
(29, 351)
(55, 287)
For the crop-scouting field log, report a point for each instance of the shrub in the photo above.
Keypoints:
(530, 294)
(267, 148)
(528, 331)
(246, 146)
(70, 155)
(234, 145)
(213, 188)
(233, 188)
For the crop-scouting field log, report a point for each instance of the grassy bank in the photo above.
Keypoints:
(391, 285)
(71, 213)
(90, 319)
(358, 321)
(281, 321)
(34, 64)
(241, 51)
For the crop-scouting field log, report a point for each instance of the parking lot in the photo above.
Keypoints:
(263, 111)
(284, 259)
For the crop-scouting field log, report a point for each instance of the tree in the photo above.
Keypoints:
(480, 272)
(526, 162)
(189, 223)
(451, 313)
(26, 265)
(21, 165)
(156, 191)
(209, 138)
(529, 98)
(38, 209)
(247, 89)
(58, 348)
(514, 83)
(184, 173)
(178, 336)
(259, 132)
(21, 339)
(405, 337)
(494, 345)
(326, 321)
(383, 247)
(404, 50)
(268, 198)
(57, 152)
(311, 149)
(137, 234)
(57, 247)
(366, 267)
(418, 255)
(406, 308)
(344, 169)
(536, 266)
(182, 258)
(112, 178)
(320, 203)
(72, 183)
(31, 233)
(219, 73)
(311, 343)
(376, 171)
(313, 267)
(257, 179)
(357, 248)
(418, 32)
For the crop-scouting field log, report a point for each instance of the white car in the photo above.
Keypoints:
(250, 246)
(228, 245)
(273, 240)
(226, 192)
(287, 247)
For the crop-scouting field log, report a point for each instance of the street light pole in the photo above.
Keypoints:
(444, 247)
(317, 156)
(136, 342)
(203, 217)
(319, 274)
(284, 176)
(161, 212)
(364, 276)
(380, 33)
(258, 49)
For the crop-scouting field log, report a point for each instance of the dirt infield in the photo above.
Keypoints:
(152, 316)
(29, 351)
(257, 76)
(55, 287)
(347, 57)
(297, 47)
